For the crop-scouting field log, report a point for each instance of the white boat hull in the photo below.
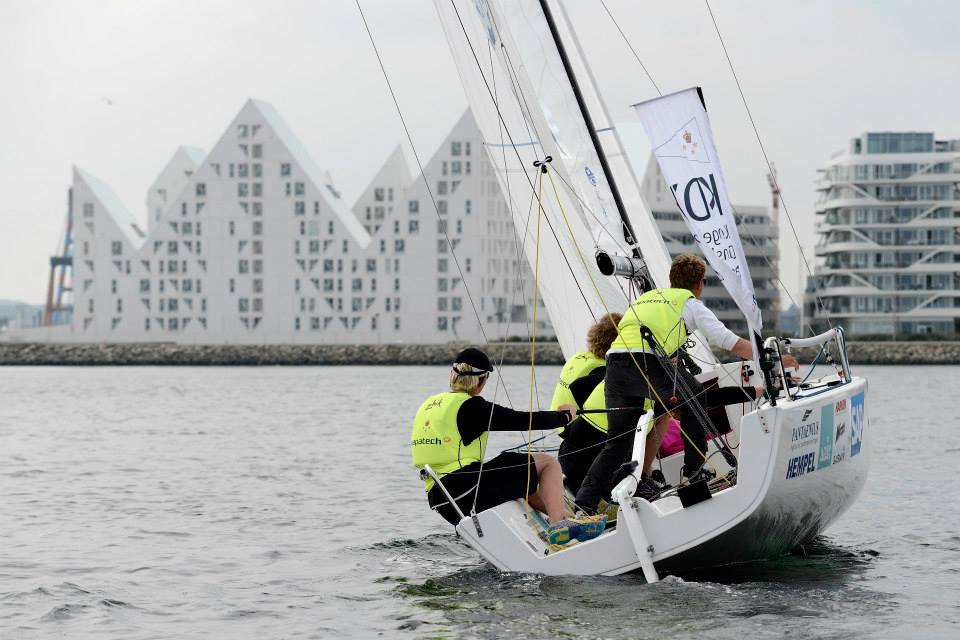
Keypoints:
(801, 465)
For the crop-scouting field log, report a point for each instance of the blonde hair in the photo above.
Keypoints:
(602, 334)
(461, 381)
(687, 271)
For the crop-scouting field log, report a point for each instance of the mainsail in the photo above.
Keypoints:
(682, 141)
(527, 109)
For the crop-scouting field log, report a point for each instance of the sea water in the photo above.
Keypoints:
(280, 503)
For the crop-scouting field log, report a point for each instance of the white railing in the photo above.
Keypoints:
(778, 344)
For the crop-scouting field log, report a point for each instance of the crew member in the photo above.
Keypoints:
(450, 434)
(599, 337)
(581, 384)
(669, 315)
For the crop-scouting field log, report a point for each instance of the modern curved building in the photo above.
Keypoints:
(889, 236)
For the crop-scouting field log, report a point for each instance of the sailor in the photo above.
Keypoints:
(599, 337)
(450, 434)
(670, 315)
(581, 383)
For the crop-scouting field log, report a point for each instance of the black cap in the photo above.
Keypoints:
(475, 358)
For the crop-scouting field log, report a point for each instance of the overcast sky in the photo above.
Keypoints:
(114, 86)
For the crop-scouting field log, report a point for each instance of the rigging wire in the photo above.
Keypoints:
(514, 145)
(752, 237)
(766, 159)
(426, 182)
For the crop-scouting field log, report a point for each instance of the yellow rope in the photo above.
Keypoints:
(533, 346)
(607, 310)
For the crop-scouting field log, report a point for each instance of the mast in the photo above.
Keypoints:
(629, 235)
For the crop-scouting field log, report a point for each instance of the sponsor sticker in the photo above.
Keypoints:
(858, 422)
(801, 465)
(825, 457)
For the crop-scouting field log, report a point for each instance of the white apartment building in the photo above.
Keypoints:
(252, 243)
(759, 235)
(889, 236)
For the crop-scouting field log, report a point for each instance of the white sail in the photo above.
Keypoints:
(513, 126)
(679, 130)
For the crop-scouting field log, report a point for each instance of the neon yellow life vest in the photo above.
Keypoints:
(661, 311)
(435, 439)
(596, 400)
(579, 365)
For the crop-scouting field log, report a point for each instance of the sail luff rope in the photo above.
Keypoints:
(533, 345)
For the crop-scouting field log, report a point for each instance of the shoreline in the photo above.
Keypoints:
(548, 353)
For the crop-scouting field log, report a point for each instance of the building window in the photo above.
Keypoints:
(396, 284)
(257, 305)
(459, 226)
(455, 148)
(413, 226)
(257, 170)
(442, 323)
(144, 286)
(284, 169)
(330, 227)
(298, 188)
(258, 266)
(441, 304)
(172, 247)
(257, 151)
(467, 207)
(315, 323)
(296, 324)
(467, 263)
(442, 265)
(174, 324)
(243, 266)
(314, 246)
(258, 208)
(413, 206)
(231, 285)
(146, 324)
(201, 189)
(357, 284)
(258, 228)
(441, 284)
(243, 189)
(257, 247)
(399, 245)
(442, 207)
(116, 247)
(173, 305)
(396, 323)
(257, 189)
(243, 305)
(456, 304)
(87, 209)
(442, 188)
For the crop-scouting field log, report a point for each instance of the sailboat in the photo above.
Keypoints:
(800, 455)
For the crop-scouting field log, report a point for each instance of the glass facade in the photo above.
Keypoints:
(889, 238)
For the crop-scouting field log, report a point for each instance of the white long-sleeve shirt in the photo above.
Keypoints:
(697, 317)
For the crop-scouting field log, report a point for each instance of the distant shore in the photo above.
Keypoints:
(141, 354)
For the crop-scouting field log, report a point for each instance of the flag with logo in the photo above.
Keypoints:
(679, 131)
